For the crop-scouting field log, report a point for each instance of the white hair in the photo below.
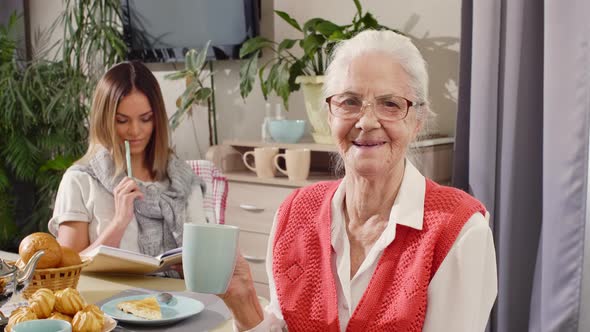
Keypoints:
(402, 50)
(398, 46)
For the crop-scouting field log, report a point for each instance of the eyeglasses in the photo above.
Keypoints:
(387, 108)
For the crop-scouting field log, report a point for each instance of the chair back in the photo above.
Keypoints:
(215, 197)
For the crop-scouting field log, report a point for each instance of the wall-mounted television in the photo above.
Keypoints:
(163, 31)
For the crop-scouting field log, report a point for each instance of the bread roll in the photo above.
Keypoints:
(89, 319)
(69, 257)
(59, 315)
(42, 302)
(3, 283)
(68, 301)
(20, 314)
(19, 263)
(41, 241)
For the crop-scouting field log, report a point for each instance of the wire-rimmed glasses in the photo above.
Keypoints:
(387, 107)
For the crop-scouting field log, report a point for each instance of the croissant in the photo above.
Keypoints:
(68, 301)
(89, 319)
(59, 315)
(42, 302)
(20, 314)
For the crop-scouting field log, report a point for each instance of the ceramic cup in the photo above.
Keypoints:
(297, 163)
(263, 161)
(209, 254)
(45, 325)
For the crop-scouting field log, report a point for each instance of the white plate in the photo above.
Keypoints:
(181, 307)
(109, 324)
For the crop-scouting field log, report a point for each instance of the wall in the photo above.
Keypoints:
(434, 25)
(7, 8)
(42, 14)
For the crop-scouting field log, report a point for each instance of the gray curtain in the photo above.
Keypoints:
(522, 149)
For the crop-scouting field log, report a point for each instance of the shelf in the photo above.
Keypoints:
(435, 151)
(303, 145)
(432, 142)
(279, 180)
(327, 147)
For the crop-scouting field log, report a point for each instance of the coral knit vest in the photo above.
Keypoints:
(395, 299)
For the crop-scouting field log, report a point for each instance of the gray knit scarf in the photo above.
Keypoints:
(161, 214)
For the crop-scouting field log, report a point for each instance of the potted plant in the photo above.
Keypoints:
(43, 131)
(288, 70)
(195, 93)
(45, 105)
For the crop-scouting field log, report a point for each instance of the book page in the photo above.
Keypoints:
(171, 259)
(115, 260)
(104, 263)
(171, 252)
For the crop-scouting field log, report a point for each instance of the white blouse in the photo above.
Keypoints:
(81, 197)
(462, 291)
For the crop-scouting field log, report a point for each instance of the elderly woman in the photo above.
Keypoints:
(384, 249)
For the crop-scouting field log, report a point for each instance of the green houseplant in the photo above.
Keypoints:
(92, 40)
(195, 93)
(283, 73)
(42, 127)
(45, 104)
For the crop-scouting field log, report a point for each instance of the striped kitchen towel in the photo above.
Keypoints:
(214, 200)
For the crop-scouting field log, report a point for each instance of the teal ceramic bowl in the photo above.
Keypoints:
(45, 325)
(286, 131)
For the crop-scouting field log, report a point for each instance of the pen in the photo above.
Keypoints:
(128, 157)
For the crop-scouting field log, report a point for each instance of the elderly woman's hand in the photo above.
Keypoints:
(241, 298)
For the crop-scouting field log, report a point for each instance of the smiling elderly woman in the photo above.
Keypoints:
(384, 249)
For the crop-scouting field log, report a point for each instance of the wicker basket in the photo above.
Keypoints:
(55, 278)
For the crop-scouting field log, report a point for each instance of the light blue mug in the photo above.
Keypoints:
(209, 254)
(44, 325)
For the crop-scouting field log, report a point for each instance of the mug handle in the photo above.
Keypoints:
(276, 162)
(245, 159)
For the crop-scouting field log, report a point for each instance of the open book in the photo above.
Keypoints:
(115, 260)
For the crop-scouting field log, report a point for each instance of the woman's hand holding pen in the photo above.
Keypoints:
(125, 194)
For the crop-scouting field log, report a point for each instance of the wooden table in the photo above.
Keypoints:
(98, 287)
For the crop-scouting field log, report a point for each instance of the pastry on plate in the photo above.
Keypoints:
(42, 302)
(89, 319)
(20, 314)
(59, 315)
(148, 308)
(68, 301)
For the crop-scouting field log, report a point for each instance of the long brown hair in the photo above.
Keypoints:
(117, 83)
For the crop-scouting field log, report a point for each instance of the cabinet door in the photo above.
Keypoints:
(252, 206)
(262, 290)
(254, 247)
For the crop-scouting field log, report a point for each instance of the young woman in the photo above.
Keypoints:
(97, 203)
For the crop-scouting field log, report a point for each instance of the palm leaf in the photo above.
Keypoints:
(248, 74)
